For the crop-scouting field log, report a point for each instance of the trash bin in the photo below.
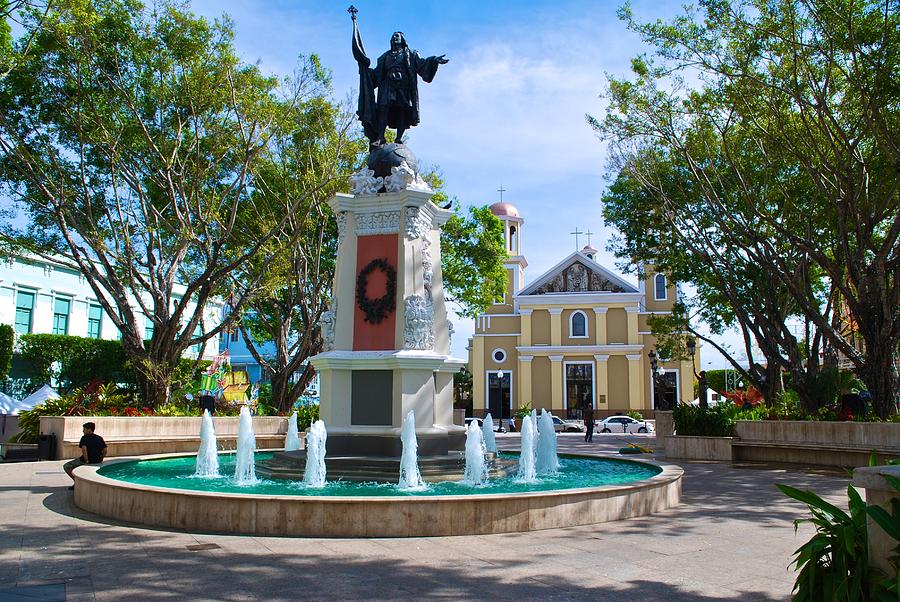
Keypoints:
(47, 447)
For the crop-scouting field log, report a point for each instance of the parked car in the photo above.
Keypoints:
(623, 424)
(499, 428)
(567, 426)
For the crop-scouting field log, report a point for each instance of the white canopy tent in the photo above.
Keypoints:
(11, 406)
(39, 397)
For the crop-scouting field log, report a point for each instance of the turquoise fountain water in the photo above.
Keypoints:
(476, 470)
(315, 471)
(527, 472)
(490, 441)
(292, 438)
(410, 477)
(208, 454)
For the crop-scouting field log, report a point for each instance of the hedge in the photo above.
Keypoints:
(7, 336)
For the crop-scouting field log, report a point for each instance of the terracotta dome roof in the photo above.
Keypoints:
(509, 209)
(588, 249)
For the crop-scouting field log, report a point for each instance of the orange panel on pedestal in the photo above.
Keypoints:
(369, 336)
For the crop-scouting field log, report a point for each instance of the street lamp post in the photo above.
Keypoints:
(701, 378)
(659, 401)
(500, 387)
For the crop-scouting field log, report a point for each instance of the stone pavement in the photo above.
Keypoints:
(730, 539)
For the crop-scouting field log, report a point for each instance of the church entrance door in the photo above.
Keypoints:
(579, 387)
(499, 395)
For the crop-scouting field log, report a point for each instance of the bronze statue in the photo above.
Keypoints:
(395, 75)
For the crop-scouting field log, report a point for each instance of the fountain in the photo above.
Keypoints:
(476, 469)
(314, 474)
(410, 477)
(208, 454)
(546, 461)
(386, 353)
(292, 439)
(245, 467)
(490, 441)
(527, 472)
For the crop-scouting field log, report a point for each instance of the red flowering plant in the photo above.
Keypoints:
(744, 398)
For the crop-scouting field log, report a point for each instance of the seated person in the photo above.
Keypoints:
(93, 450)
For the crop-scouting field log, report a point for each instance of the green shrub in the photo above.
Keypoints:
(306, 415)
(635, 414)
(716, 421)
(73, 361)
(7, 337)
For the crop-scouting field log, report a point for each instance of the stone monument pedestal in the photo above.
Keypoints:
(387, 337)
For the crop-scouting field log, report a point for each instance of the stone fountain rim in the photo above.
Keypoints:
(670, 473)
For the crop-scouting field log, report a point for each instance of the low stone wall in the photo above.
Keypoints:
(126, 436)
(841, 444)
(872, 435)
(688, 447)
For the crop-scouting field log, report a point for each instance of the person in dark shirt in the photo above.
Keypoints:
(93, 450)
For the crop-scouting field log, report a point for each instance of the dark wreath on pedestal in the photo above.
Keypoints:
(377, 309)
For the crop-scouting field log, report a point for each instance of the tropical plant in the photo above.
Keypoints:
(635, 414)
(715, 421)
(523, 411)
(834, 563)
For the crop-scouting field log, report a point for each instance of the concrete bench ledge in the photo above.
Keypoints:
(146, 435)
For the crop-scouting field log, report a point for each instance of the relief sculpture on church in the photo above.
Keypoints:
(578, 278)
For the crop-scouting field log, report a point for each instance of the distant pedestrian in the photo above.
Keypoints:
(512, 424)
(587, 413)
(93, 450)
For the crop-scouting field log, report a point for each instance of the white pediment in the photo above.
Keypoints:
(578, 274)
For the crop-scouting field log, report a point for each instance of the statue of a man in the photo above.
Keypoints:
(395, 75)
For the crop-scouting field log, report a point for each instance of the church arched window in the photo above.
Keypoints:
(578, 325)
(513, 248)
(660, 287)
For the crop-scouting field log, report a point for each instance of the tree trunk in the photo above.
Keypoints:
(880, 378)
(281, 389)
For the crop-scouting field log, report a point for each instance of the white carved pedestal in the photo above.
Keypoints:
(373, 371)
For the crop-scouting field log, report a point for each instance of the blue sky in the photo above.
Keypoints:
(508, 109)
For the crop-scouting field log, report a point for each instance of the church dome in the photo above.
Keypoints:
(504, 209)
(588, 250)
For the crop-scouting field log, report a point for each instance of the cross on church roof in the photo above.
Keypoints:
(588, 234)
(501, 190)
(576, 233)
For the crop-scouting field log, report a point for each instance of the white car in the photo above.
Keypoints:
(623, 424)
(568, 426)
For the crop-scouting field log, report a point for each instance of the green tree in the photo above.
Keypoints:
(778, 168)
(472, 254)
(315, 145)
(130, 137)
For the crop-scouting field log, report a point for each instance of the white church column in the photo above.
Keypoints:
(525, 379)
(635, 396)
(556, 381)
(600, 319)
(555, 326)
(602, 367)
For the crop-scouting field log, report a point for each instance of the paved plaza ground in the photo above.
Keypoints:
(730, 539)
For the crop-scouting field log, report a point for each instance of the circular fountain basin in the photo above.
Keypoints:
(159, 491)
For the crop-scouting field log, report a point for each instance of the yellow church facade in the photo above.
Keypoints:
(577, 335)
